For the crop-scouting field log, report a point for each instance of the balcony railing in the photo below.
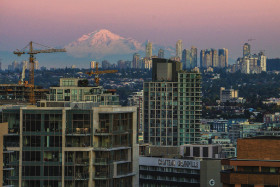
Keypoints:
(82, 176)
(109, 145)
(78, 131)
(102, 161)
(76, 144)
(13, 130)
(11, 144)
(106, 131)
(82, 161)
(102, 175)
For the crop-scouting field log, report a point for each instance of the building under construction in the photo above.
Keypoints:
(20, 93)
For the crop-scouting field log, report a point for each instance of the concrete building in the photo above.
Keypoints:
(262, 61)
(71, 146)
(16, 93)
(121, 64)
(136, 61)
(160, 53)
(106, 64)
(193, 57)
(92, 64)
(148, 63)
(186, 59)
(246, 50)
(214, 58)
(250, 64)
(223, 58)
(149, 50)
(75, 90)
(179, 49)
(137, 100)
(228, 94)
(36, 65)
(4, 167)
(173, 172)
(201, 151)
(172, 105)
(257, 163)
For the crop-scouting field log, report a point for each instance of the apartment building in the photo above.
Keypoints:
(70, 146)
(76, 90)
(172, 105)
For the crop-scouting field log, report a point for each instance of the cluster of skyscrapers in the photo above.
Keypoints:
(16, 66)
(214, 58)
(186, 56)
(250, 63)
(208, 58)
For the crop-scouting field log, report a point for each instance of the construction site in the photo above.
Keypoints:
(26, 91)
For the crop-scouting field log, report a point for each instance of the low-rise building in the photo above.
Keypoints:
(228, 94)
(174, 172)
(257, 163)
(76, 90)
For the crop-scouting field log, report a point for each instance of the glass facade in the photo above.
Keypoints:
(172, 110)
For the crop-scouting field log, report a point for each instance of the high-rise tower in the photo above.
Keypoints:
(246, 50)
(149, 50)
(179, 48)
(136, 61)
(186, 59)
(160, 53)
(193, 57)
(172, 105)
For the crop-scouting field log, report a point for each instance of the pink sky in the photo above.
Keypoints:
(203, 23)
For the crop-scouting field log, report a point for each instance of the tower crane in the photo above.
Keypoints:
(97, 73)
(31, 51)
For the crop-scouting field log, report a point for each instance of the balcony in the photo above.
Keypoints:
(78, 141)
(82, 176)
(11, 144)
(102, 161)
(13, 131)
(81, 161)
(123, 170)
(102, 131)
(110, 146)
(78, 132)
(106, 131)
(102, 175)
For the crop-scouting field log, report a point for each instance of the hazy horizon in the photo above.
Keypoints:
(204, 24)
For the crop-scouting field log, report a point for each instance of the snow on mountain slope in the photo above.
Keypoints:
(102, 43)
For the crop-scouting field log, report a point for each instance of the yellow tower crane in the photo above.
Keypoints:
(33, 52)
(97, 73)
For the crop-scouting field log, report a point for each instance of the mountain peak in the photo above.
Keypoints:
(102, 34)
(103, 42)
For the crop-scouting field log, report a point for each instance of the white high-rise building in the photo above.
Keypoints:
(36, 65)
(179, 49)
(92, 64)
(262, 61)
(149, 50)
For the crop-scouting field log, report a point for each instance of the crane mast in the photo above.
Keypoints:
(31, 53)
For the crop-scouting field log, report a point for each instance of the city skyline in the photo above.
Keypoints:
(233, 26)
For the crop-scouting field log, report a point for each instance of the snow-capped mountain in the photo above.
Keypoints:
(103, 43)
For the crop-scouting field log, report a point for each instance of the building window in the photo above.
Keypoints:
(196, 152)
